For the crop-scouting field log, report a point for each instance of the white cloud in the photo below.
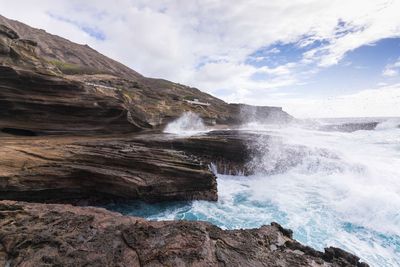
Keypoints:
(207, 43)
(383, 101)
(392, 70)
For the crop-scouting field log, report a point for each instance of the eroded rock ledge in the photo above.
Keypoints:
(64, 235)
(146, 166)
(71, 168)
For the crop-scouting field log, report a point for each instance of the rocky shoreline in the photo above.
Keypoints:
(79, 128)
(64, 235)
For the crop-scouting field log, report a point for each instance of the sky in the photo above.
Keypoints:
(315, 58)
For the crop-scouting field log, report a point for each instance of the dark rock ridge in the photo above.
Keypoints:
(349, 127)
(63, 235)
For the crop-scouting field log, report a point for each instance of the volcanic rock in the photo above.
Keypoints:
(63, 235)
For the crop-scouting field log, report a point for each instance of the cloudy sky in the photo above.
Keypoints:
(316, 58)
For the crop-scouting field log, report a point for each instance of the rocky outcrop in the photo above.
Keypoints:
(262, 114)
(44, 104)
(146, 166)
(227, 150)
(69, 169)
(21, 52)
(349, 127)
(63, 235)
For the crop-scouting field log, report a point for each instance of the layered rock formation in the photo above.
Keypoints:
(70, 169)
(63, 235)
(154, 101)
(147, 166)
(44, 104)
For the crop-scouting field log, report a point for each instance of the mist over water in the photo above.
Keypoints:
(331, 188)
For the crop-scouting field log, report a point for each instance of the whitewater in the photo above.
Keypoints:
(336, 189)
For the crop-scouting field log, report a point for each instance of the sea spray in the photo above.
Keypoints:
(188, 123)
(331, 188)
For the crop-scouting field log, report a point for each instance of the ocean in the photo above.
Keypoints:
(331, 188)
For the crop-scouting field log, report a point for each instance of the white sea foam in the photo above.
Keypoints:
(188, 123)
(336, 189)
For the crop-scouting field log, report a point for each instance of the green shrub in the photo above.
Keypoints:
(72, 69)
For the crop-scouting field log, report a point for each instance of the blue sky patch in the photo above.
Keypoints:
(92, 31)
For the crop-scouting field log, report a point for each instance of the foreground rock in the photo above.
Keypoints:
(63, 235)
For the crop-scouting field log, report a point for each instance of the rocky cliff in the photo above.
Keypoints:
(152, 102)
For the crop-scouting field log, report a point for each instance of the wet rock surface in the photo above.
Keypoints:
(63, 235)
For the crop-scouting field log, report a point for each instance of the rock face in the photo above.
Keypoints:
(227, 150)
(46, 104)
(63, 235)
(58, 49)
(69, 169)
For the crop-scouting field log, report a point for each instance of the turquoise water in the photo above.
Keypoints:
(343, 190)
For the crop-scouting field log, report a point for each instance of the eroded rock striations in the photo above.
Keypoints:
(46, 104)
(75, 168)
(63, 235)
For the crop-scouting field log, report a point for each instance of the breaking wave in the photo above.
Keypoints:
(188, 123)
(331, 188)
